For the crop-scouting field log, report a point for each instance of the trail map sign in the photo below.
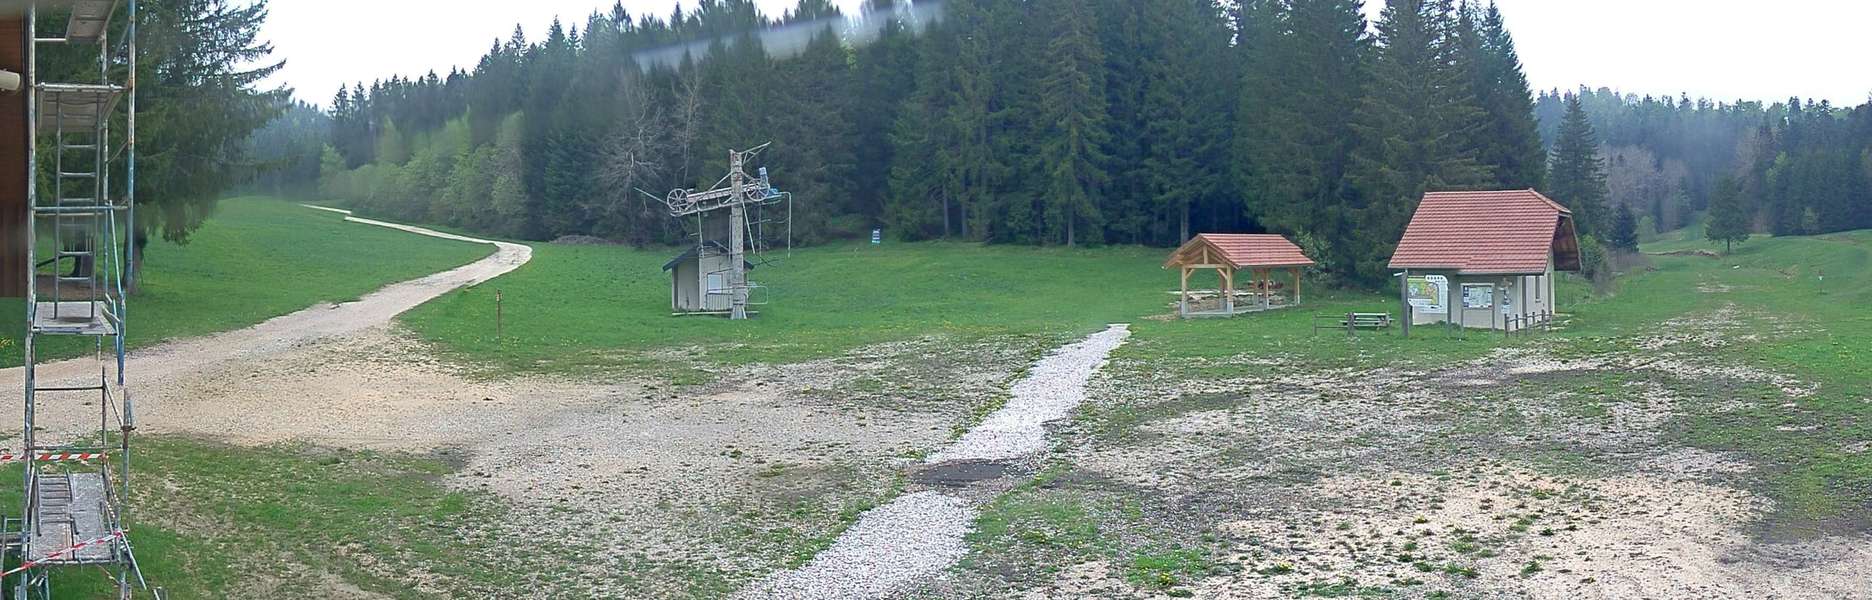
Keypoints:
(1478, 295)
(1427, 293)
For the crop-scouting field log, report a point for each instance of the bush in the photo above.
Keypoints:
(1595, 263)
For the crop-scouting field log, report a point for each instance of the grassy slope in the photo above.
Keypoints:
(259, 258)
(581, 308)
(577, 308)
(256, 259)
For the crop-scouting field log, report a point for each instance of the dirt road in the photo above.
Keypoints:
(179, 386)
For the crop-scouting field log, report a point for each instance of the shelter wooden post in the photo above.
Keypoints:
(1296, 274)
(1404, 297)
(1183, 298)
(1452, 308)
(1228, 289)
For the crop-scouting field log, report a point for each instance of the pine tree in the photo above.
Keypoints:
(885, 76)
(1728, 222)
(1072, 111)
(1183, 113)
(1293, 140)
(1412, 128)
(1511, 142)
(1576, 177)
(1624, 235)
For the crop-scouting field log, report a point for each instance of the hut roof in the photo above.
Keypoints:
(1239, 251)
(1488, 233)
(693, 253)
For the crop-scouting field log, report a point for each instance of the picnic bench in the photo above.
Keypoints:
(1352, 322)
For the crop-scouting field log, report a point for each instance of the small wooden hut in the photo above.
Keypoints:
(1261, 255)
(1484, 259)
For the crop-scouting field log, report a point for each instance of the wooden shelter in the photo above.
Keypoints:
(1484, 259)
(1230, 254)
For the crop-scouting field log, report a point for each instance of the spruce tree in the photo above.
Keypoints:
(1305, 75)
(1183, 114)
(1624, 235)
(1511, 144)
(1576, 177)
(1412, 128)
(884, 77)
(1072, 114)
(1728, 222)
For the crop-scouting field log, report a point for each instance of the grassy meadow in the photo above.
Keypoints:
(305, 515)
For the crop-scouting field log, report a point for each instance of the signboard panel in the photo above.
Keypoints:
(1478, 296)
(1427, 293)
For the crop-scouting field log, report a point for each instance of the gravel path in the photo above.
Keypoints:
(919, 535)
(1050, 392)
(914, 537)
(156, 371)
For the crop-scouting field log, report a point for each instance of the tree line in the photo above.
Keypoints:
(199, 78)
(1052, 122)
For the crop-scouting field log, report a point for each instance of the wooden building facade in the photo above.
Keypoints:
(13, 176)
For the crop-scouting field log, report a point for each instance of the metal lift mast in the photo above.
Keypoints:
(745, 197)
(77, 479)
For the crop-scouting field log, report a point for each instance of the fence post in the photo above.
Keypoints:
(497, 314)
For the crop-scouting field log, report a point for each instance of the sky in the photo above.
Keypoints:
(1722, 49)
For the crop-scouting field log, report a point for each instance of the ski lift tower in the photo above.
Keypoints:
(731, 236)
(79, 211)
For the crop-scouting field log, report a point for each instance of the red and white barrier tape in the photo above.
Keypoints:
(115, 535)
(53, 457)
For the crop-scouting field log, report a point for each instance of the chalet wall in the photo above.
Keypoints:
(13, 145)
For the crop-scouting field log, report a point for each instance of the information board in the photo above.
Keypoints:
(1478, 295)
(1427, 293)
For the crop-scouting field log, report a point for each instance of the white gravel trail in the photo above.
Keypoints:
(1052, 389)
(920, 535)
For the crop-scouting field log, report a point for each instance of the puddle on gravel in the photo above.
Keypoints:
(960, 473)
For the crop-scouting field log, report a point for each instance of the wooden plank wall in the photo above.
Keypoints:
(13, 218)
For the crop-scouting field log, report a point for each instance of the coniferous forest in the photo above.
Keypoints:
(1055, 122)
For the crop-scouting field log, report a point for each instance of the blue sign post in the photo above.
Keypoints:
(877, 236)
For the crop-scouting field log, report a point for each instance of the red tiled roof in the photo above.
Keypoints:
(1493, 232)
(1241, 250)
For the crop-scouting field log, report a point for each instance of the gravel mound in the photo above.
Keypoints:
(582, 240)
(1051, 390)
(889, 549)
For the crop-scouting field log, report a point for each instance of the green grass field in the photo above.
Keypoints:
(256, 259)
(597, 310)
(584, 308)
(604, 310)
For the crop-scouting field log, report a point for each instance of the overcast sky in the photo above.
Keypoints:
(1724, 49)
